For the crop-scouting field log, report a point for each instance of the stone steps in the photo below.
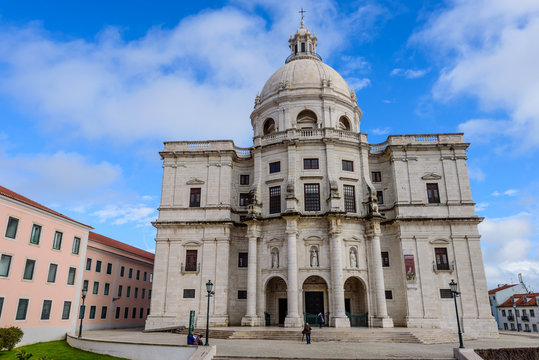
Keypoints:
(223, 357)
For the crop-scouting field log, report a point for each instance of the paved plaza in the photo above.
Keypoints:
(321, 349)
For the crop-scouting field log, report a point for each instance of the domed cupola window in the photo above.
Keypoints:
(306, 119)
(344, 123)
(302, 44)
(269, 126)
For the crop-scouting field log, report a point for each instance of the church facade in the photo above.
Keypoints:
(314, 219)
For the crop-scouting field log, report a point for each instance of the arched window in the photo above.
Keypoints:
(344, 123)
(269, 126)
(306, 119)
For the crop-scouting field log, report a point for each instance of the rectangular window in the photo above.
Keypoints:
(191, 260)
(12, 225)
(244, 199)
(505, 327)
(442, 262)
(29, 269)
(85, 285)
(46, 310)
(143, 293)
(5, 264)
(433, 194)
(149, 294)
(51, 277)
(302, 47)
(57, 242)
(380, 196)
(106, 290)
(244, 179)
(130, 273)
(194, 197)
(389, 295)
(310, 164)
(141, 313)
(109, 268)
(66, 310)
(275, 199)
(76, 245)
(95, 290)
(138, 274)
(503, 313)
(242, 294)
(71, 276)
(120, 288)
(145, 276)
(510, 312)
(519, 327)
(376, 176)
(22, 309)
(523, 312)
(1, 306)
(275, 167)
(103, 312)
(532, 313)
(312, 197)
(117, 315)
(349, 198)
(36, 234)
(98, 266)
(243, 259)
(347, 165)
(534, 327)
(517, 312)
(128, 292)
(512, 326)
(188, 293)
(136, 292)
(134, 313)
(92, 312)
(526, 327)
(385, 258)
(148, 311)
(446, 294)
(126, 312)
(88, 264)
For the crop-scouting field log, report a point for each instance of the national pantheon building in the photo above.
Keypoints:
(314, 219)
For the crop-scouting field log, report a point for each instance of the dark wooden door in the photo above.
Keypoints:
(283, 310)
(347, 305)
(314, 302)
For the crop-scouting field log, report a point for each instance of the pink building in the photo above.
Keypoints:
(42, 254)
(119, 282)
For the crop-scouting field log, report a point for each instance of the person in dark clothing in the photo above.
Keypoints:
(320, 319)
(307, 332)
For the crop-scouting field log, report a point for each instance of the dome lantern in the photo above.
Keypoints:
(302, 44)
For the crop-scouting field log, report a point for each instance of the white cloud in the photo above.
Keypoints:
(508, 249)
(168, 82)
(60, 177)
(409, 73)
(509, 192)
(476, 173)
(357, 83)
(481, 206)
(139, 214)
(490, 49)
(381, 131)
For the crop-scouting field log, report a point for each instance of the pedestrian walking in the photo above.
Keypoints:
(307, 332)
(321, 320)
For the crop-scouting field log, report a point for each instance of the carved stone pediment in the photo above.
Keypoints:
(313, 240)
(431, 176)
(275, 242)
(439, 241)
(195, 181)
(192, 243)
(352, 239)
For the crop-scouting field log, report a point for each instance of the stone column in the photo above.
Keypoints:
(292, 318)
(251, 318)
(338, 316)
(380, 318)
(220, 315)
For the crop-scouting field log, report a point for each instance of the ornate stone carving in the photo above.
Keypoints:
(431, 176)
(353, 258)
(195, 181)
(314, 257)
(274, 258)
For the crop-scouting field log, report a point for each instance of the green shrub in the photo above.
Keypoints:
(9, 337)
(23, 355)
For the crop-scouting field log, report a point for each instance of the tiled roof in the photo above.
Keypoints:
(494, 291)
(120, 245)
(531, 300)
(13, 195)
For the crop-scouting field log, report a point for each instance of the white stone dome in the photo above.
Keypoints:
(305, 73)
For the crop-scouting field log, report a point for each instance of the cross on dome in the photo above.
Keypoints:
(303, 43)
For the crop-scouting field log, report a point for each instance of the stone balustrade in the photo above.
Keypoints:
(402, 140)
(308, 134)
(209, 145)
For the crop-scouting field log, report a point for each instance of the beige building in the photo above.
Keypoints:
(312, 218)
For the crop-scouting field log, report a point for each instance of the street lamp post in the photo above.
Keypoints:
(515, 311)
(453, 287)
(82, 309)
(209, 288)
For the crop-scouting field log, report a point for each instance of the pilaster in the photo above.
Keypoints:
(338, 316)
(292, 318)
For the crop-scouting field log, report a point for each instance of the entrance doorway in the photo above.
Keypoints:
(355, 302)
(283, 310)
(315, 299)
(314, 302)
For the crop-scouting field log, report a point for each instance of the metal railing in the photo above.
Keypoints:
(305, 53)
(312, 319)
(357, 320)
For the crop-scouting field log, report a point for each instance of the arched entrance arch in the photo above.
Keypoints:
(276, 301)
(356, 301)
(315, 299)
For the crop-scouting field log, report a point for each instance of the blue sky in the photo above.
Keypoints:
(90, 90)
